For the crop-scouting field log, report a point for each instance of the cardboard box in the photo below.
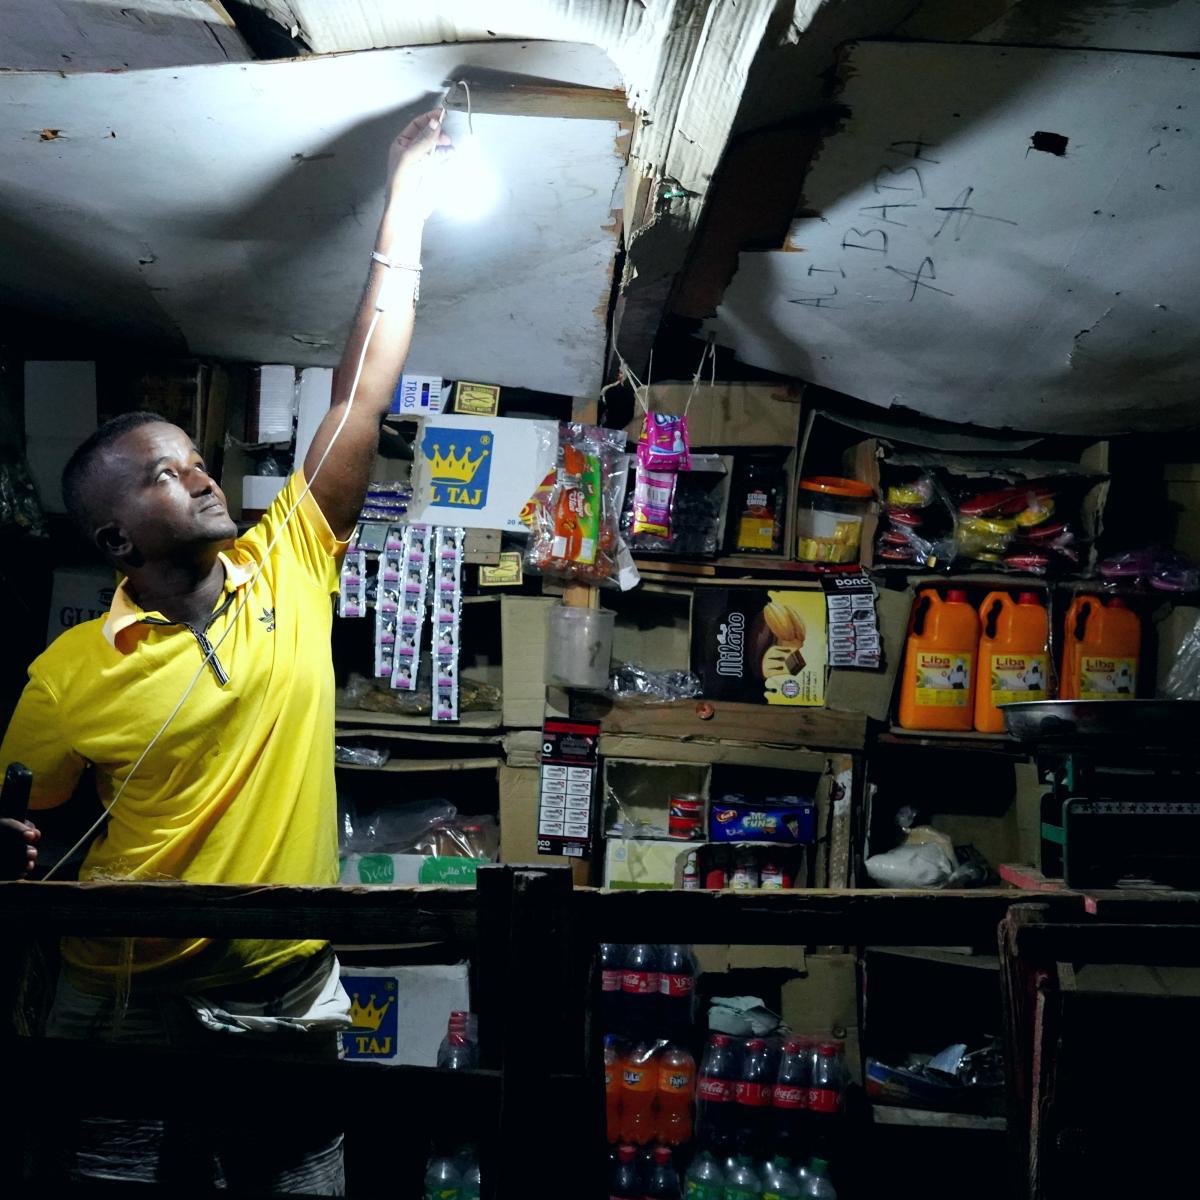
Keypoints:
(640, 790)
(383, 869)
(860, 691)
(479, 472)
(519, 794)
(642, 863)
(400, 1013)
(523, 625)
(259, 491)
(722, 959)
(79, 594)
(729, 414)
(765, 646)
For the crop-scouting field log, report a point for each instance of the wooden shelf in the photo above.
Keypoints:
(1027, 877)
(764, 571)
(995, 743)
(420, 765)
(921, 1118)
(772, 724)
(939, 954)
(467, 721)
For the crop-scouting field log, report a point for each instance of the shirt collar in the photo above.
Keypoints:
(124, 610)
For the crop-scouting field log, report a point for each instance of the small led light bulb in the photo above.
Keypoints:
(468, 187)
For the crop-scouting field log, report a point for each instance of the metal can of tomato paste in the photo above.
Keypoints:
(685, 818)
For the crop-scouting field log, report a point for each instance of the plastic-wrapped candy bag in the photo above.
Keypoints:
(574, 522)
(1163, 570)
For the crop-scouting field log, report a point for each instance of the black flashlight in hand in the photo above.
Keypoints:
(14, 803)
(18, 783)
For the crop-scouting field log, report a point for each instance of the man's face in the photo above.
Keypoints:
(153, 487)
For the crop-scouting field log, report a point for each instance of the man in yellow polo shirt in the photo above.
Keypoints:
(238, 785)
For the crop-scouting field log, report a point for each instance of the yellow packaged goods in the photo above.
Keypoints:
(829, 519)
(760, 645)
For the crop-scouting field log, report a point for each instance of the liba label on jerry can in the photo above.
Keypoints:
(944, 679)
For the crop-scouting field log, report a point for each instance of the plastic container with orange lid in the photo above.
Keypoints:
(937, 687)
(829, 518)
(1102, 645)
(1013, 660)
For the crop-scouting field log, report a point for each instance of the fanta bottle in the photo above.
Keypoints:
(1102, 645)
(612, 1087)
(1013, 662)
(639, 1083)
(937, 689)
(676, 1086)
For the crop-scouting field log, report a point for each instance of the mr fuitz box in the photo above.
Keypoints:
(740, 819)
(760, 645)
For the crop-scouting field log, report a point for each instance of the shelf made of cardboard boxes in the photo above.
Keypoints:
(636, 796)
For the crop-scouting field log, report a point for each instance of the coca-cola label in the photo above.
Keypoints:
(640, 983)
(716, 1091)
(754, 1095)
(676, 985)
(671, 1079)
(610, 981)
(788, 1096)
(823, 1100)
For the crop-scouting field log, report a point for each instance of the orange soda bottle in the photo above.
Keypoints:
(638, 1083)
(676, 1088)
(612, 1087)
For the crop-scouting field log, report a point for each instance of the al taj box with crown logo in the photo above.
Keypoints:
(479, 472)
(399, 1014)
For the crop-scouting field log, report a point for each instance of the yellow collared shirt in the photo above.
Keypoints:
(240, 786)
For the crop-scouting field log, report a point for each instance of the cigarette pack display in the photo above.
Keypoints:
(447, 603)
(407, 563)
(352, 581)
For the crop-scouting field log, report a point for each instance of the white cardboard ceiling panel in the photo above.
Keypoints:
(994, 235)
(1167, 26)
(100, 35)
(235, 206)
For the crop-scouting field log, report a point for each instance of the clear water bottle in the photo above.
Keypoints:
(460, 1055)
(817, 1186)
(743, 1182)
(705, 1179)
(779, 1181)
(471, 1188)
(443, 1179)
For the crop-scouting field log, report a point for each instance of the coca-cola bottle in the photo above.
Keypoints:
(715, 1108)
(790, 1098)
(677, 987)
(825, 1090)
(612, 971)
(639, 991)
(626, 1183)
(752, 1095)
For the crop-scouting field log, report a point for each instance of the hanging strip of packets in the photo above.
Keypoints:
(420, 567)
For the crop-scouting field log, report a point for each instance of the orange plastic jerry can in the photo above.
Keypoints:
(1102, 644)
(938, 682)
(1013, 661)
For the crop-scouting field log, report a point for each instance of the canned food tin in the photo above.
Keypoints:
(685, 818)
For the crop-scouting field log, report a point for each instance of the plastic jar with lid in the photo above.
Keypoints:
(829, 518)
